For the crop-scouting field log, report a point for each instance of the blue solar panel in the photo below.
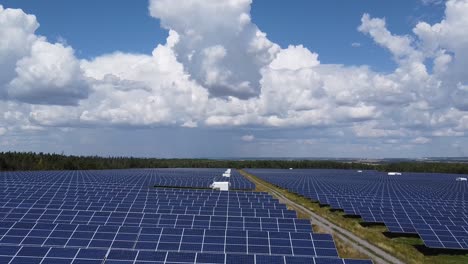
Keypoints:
(431, 205)
(265, 259)
(119, 217)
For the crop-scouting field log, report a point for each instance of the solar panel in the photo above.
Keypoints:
(434, 206)
(118, 216)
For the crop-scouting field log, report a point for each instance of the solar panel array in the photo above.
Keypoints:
(119, 217)
(434, 206)
(201, 178)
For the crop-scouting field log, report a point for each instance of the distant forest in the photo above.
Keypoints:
(15, 161)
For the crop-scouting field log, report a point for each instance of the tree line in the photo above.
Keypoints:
(15, 161)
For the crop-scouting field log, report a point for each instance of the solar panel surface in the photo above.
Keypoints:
(118, 216)
(434, 206)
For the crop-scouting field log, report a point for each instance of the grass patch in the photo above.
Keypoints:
(344, 249)
(410, 250)
(411, 241)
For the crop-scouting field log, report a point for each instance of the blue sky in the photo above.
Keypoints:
(97, 27)
(333, 41)
(353, 84)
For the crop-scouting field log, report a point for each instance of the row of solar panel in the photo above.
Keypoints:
(407, 211)
(125, 206)
(197, 240)
(120, 188)
(102, 215)
(290, 227)
(284, 239)
(398, 206)
(42, 203)
(113, 186)
(129, 196)
(126, 200)
(135, 217)
(53, 255)
(123, 191)
(301, 250)
(136, 206)
(6, 227)
(155, 204)
(386, 199)
(430, 210)
(372, 216)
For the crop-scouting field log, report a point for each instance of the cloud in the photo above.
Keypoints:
(49, 75)
(432, 2)
(356, 45)
(248, 138)
(33, 70)
(446, 42)
(295, 58)
(399, 46)
(16, 38)
(224, 71)
(421, 140)
(223, 53)
(165, 94)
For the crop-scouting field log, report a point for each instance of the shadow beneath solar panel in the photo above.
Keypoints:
(348, 216)
(415, 240)
(336, 210)
(371, 224)
(439, 251)
(398, 235)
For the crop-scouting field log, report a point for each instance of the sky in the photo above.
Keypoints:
(235, 78)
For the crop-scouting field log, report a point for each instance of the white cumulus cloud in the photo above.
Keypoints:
(218, 69)
(218, 44)
(49, 75)
(34, 70)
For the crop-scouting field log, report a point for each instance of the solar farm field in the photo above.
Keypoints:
(118, 216)
(433, 206)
